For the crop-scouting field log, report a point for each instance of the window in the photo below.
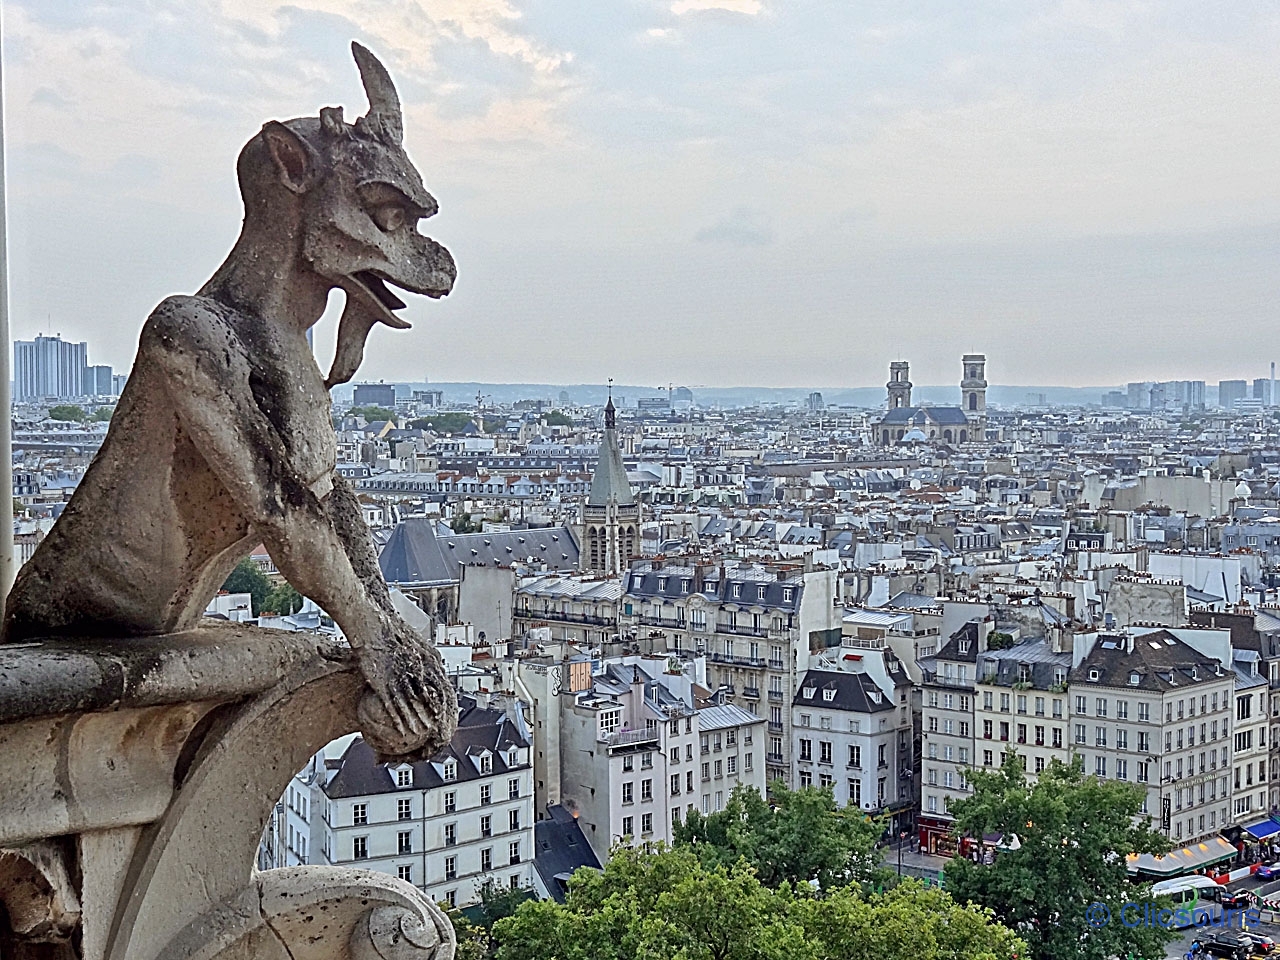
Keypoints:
(628, 763)
(359, 814)
(806, 749)
(688, 781)
(515, 851)
(1100, 707)
(1057, 736)
(486, 760)
(513, 819)
(719, 769)
(855, 756)
(486, 859)
(675, 754)
(450, 802)
(731, 765)
(1122, 739)
(1122, 709)
(1081, 733)
(360, 848)
(628, 791)
(646, 823)
(1039, 706)
(988, 730)
(1082, 704)
(675, 784)
(404, 809)
(451, 868)
(450, 834)
(451, 898)
(986, 700)
(404, 842)
(628, 825)
(806, 780)
(450, 771)
(1144, 711)
(486, 826)
(986, 758)
(513, 758)
(404, 777)
(759, 593)
(824, 751)
(486, 794)
(405, 872)
(706, 771)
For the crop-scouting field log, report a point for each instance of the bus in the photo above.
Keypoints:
(1191, 898)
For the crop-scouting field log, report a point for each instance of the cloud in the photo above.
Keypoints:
(667, 34)
(742, 228)
(747, 7)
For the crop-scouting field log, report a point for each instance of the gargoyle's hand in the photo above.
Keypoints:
(410, 710)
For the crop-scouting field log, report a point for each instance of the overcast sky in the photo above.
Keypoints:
(719, 192)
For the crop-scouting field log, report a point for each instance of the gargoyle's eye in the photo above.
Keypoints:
(389, 216)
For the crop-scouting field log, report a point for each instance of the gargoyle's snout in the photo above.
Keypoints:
(428, 269)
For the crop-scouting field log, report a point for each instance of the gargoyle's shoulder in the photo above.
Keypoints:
(188, 320)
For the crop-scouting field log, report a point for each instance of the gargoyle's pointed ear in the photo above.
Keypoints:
(384, 103)
(294, 158)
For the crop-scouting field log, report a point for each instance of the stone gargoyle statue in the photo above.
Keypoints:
(222, 437)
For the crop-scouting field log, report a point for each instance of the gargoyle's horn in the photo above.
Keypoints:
(384, 118)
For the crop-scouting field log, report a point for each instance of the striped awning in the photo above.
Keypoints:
(1182, 859)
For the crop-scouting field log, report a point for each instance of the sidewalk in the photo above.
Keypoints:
(917, 864)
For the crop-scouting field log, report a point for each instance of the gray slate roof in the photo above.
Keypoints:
(610, 480)
(418, 553)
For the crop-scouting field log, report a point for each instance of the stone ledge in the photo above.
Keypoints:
(215, 661)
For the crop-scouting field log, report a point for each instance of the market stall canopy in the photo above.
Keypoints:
(1262, 829)
(1183, 859)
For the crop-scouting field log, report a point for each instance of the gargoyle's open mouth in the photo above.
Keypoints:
(379, 297)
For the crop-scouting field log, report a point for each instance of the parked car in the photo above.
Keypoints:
(1233, 946)
(1262, 944)
(1267, 871)
(1236, 899)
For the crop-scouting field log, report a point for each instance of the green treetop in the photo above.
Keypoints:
(1073, 834)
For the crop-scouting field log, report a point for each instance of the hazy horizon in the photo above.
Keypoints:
(694, 191)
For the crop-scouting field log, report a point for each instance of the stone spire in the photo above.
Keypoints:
(610, 483)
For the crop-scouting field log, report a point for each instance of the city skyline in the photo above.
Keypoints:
(1075, 187)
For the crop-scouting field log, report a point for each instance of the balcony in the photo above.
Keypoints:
(631, 738)
(773, 758)
(555, 616)
(775, 696)
(661, 622)
(739, 630)
(736, 661)
(943, 681)
(751, 693)
(775, 726)
(775, 664)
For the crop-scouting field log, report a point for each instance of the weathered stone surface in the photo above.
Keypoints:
(141, 750)
(230, 415)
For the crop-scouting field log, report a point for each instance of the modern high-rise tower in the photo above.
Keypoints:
(49, 368)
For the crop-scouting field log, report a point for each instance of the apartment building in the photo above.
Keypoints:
(578, 608)
(447, 825)
(853, 732)
(1249, 756)
(1020, 704)
(631, 745)
(1156, 708)
(755, 624)
(947, 739)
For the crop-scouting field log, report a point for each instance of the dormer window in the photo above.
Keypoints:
(1134, 679)
(685, 585)
(450, 771)
(404, 777)
(964, 646)
(828, 694)
(809, 692)
(662, 584)
(513, 758)
(1093, 673)
(875, 696)
(737, 590)
(759, 593)
(486, 763)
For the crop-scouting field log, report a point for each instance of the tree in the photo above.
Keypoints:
(372, 414)
(999, 641)
(669, 903)
(557, 419)
(475, 932)
(795, 837)
(247, 578)
(283, 599)
(69, 412)
(463, 523)
(1073, 834)
(103, 414)
(451, 422)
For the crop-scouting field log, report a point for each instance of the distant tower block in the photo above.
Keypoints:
(899, 386)
(973, 391)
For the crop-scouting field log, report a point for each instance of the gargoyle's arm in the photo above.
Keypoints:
(207, 378)
(318, 542)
